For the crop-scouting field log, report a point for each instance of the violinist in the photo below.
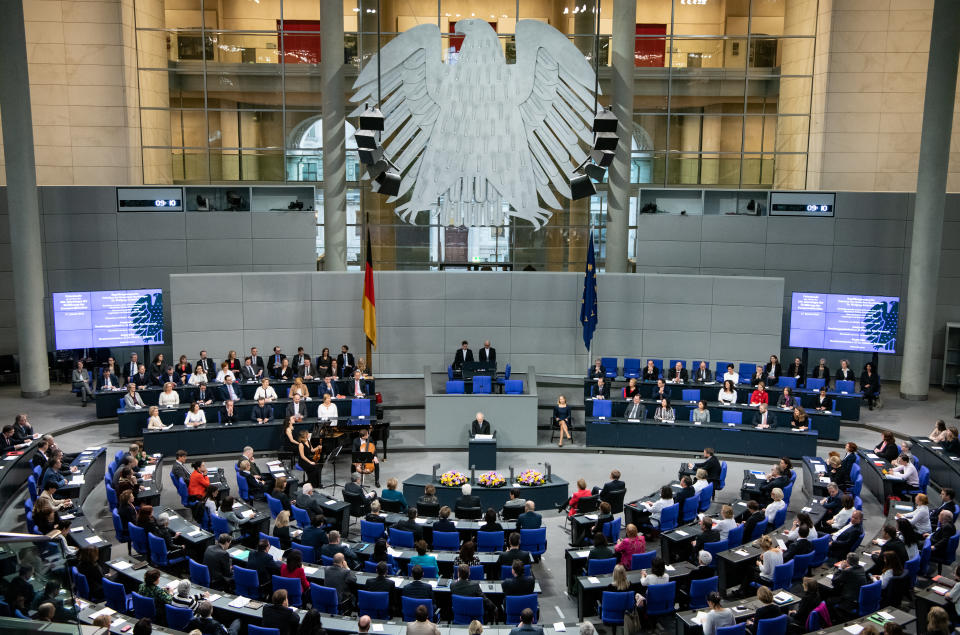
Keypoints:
(308, 457)
(364, 443)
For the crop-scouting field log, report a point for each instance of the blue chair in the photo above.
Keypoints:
(400, 538)
(869, 600)
(611, 530)
(489, 540)
(409, 607)
(247, 582)
(783, 576)
(690, 394)
(735, 536)
(371, 532)
(773, 625)
(506, 372)
(631, 368)
(736, 629)
(912, 566)
(300, 515)
(673, 363)
(601, 566)
(951, 553)
(243, 489)
(376, 604)
(138, 538)
(719, 369)
(219, 525)
(658, 364)
(779, 518)
(716, 547)
(449, 372)
(613, 604)
(506, 571)
(788, 491)
(700, 589)
(661, 598)
(430, 573)
(274, 504)
(144, 607)
(745, 370)
(787, 382)
(801, 564)
(122, 536)
(723, 477)
(610, 367)
(199, 573)
(643, 560)
(924, 477)
(325, 599)
(178, 617)
(292, 585)
(309, 553)
(32, 487)
(482, 385)
(844, 386)
(706, 495)
(116, 596)
(731, 416)
(326, 561)
(273, 540)
(466, 609)
(183, 492)
(82, 584)
(477, 572)
(158, 552)
(602, 408)
(513, 386)
(446, 540)
(176, 486)
(76, 391)
(758, 530)
(534, 540)
(260, 630)
(514, 604)
(814, 622)
(455, 387)
(688, 510)
(669, 517)
(360, 408)
(815, 383)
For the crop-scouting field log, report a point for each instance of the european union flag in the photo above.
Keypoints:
(588, 306)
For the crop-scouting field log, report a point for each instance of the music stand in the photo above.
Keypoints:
(332, 459)
(361, 458)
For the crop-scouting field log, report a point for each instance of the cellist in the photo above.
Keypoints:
(364, 443)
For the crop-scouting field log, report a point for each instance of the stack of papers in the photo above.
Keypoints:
(819, 467)
(331, 502)
(583, 554)
(104, 611)
(853, 629)
(239, 602)
(681, 532)
(95, 540)
(590, 516)
(742, 552)
(670, 567)
(213, 597)
(699, 617)
(121, 565)
(782, 598)
(559, 627)
(310, 570)
(593, 580)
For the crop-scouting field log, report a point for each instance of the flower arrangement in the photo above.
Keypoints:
(492, 479)
(531, 477)
(453, 478)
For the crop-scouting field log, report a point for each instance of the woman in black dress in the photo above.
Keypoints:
(870, 385)
(305, 454)
(561, 419)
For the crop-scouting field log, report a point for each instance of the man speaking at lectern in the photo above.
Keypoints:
(479, 426)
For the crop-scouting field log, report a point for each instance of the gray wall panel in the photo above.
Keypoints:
(88, 227)
(677, 317)
(422, 312)
(283, 224)
(677, 289)
(869, 231)
(215, 315)
(150, 226)
(762, 320)
(220, 225)
(545, 285)
(734, 229)
(162, 252)
(471, 286)
(766, 292)
(809, 231)
(290, 314)
(219, 252)
(340, 286)
(274, 287)
(800, 257)
(289, 251)
(662, 227)
(674, 344)
(60, 280)
(77, 199)
(674, 254)
(545, 313)
(214, 288)
(617, 315)
(716, 255)
(867, 260)
(94, 255)
(333, 312)
(475, 312)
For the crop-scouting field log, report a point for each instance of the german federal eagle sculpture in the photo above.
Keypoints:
(477, 136)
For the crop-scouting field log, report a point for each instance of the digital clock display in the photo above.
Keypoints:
(149, 199)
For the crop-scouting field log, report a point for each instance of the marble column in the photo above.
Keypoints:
(618, 175)
(334, 141)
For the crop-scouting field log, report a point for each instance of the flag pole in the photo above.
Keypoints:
(369, 247)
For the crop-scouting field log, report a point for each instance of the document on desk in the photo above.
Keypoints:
(310, 570)
(593, 580)
(483, 437)
(853, 629)
(820, 468)
(670, 567)
(239, 602)
(590, 516)
(121, 565)
(681, 532)
(559, 627)
(583, 554)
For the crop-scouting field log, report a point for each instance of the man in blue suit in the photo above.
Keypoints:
(529, 519)
(845, 540)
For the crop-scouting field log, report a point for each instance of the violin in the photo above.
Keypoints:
(318, 451)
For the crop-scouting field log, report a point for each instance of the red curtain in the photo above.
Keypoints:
(649, 51)
(296, 48)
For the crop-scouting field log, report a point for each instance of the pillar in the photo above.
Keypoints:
(618, 176)
(334, 142)
(931, 194)
(24, 214)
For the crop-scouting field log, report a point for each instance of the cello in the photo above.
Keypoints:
(366, 445)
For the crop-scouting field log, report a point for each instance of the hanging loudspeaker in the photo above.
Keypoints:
(389, 183)
(603, 158)
(372, 119)
(370, 157)
(366, 139)
(595, 172)
(605, 141)
(581, 187)
(605, 121)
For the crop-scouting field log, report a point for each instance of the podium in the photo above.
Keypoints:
(482, 453)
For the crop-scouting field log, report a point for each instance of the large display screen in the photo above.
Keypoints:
(97, 319)
(842, 322)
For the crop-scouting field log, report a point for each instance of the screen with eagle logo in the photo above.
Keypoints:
(95, 319)
(843, 322)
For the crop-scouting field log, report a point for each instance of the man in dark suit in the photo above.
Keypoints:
(762, 418)
(776, 479)
(40, 458)
(263, 563)
(514, 552)
(179, 467)
(462, 355)
(947, 496)
(334, 548)
(467, 499)
(471, 588)
(940, 539)
(141, 379)
(299, 358)
(707, 535)
(800, 546)
(207, 365)
(345, 362)
(309, 499)
(702, 375)
(230, 390)
(169, 376)
(527, 626)
(479, 426)
(383, 584)
(751, 518)
(7, 442)
(848, 536)
(686, 491)
(314, 535)
(339, 576)
(529, 519)
(131, 368)
(519, 583)
(610, 487)
(600, 390)
(255, 485)
(650, 372)
(634, 409)
(205, 395)
(410, 524)
(217, 561)
(305, 369)
(418, 588)
(487, 353)
(262, 412)
(846, 585)
(257, 362)
(249, 372)
(797, 371)
(842, 477)
(678, 373)
(108, 381)
(276, 361)
(710, 463)
(296, 408)
(891, 543)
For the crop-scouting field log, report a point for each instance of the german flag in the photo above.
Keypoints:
(369, 303)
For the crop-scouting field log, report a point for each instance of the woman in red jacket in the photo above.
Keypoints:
(199, 481)
(760, 395)
(577, 495)
(293, 568)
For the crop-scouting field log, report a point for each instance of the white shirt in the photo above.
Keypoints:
(699, 485)
(269, 394)
(909, 472)
(772, 510)
(842, 517)
(727, 397)
(734, 377)
(222, 375)
(357, 388)
(795, 534)
(920, 519)
(724, 526)
(195, 418)
(171, 398)
(327, 412)
(197, 378)
(658, 507)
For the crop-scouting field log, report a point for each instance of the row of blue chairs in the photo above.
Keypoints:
(483, 385)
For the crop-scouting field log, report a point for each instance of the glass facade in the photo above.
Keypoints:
(230, 92)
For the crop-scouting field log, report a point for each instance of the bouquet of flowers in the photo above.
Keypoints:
(492, 479)
(453, 478)
(531, 477)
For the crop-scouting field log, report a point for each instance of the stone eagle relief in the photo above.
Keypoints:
(472, 137)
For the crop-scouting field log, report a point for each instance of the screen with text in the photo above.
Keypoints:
(842, 322)
(100, 319)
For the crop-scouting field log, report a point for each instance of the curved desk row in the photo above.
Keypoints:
(15, 468)
(545, 496)
(106, 401)
(827, 424)
(848, 404)
(215, 438)
(620, 433)
(944, 466)
(131, 421)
